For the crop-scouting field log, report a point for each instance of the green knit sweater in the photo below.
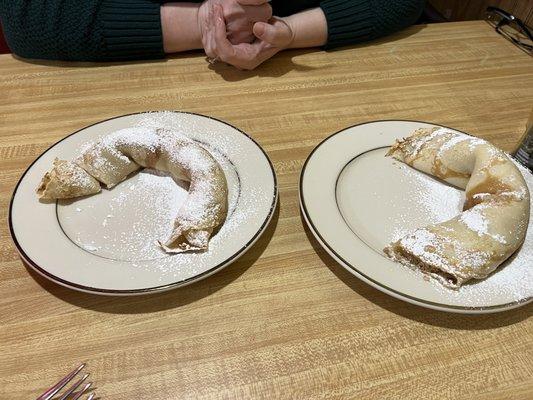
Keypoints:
(107, 30)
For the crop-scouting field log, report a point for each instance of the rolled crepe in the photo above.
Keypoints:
(117, 155)
(495, 216)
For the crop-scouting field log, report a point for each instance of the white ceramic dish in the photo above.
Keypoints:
(356, 201)
(106, 243)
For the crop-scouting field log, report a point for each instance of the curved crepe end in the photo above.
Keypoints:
(187, 240)
(424, 261)
(67, 180)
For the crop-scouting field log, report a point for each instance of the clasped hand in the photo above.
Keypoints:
(242, 33)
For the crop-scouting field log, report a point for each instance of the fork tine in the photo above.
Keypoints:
(91, 396)
(74, 387)
(60, 385)
(80, 393)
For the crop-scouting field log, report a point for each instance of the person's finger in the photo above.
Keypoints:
(224, 48)
(207, 38)
(265, 52)
(277, 33)
(210, 33)
(210, 49)
(243, 56)
(258, 13)
(241, 37)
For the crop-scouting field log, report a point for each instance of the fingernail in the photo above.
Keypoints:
(259, 29)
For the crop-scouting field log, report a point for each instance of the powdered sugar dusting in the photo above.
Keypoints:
(475, 221)
(81, 178)
(511, 282)
(473, 142)
(125, 223)
(436, 200)
(118, 154)
(419, 241)
(435, 250)
(454, 139)
(420, 141)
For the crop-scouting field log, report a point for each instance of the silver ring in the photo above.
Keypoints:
(212, 60)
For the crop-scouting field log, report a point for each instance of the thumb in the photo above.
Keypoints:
(277, 33)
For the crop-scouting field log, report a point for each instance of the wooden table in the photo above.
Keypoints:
(284, 322)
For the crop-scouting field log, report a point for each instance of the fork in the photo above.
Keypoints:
(63, 382)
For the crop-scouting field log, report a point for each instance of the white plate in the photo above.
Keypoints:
(356, 201)
(106, 244)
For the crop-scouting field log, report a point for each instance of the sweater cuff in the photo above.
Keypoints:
(348, 22)
(131, 29)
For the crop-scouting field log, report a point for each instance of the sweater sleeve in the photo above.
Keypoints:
(88, 30)
(353, 21)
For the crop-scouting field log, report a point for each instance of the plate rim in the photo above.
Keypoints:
(381, 287)
(154, 289)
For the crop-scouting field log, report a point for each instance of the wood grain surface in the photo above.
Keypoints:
(285, 321)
